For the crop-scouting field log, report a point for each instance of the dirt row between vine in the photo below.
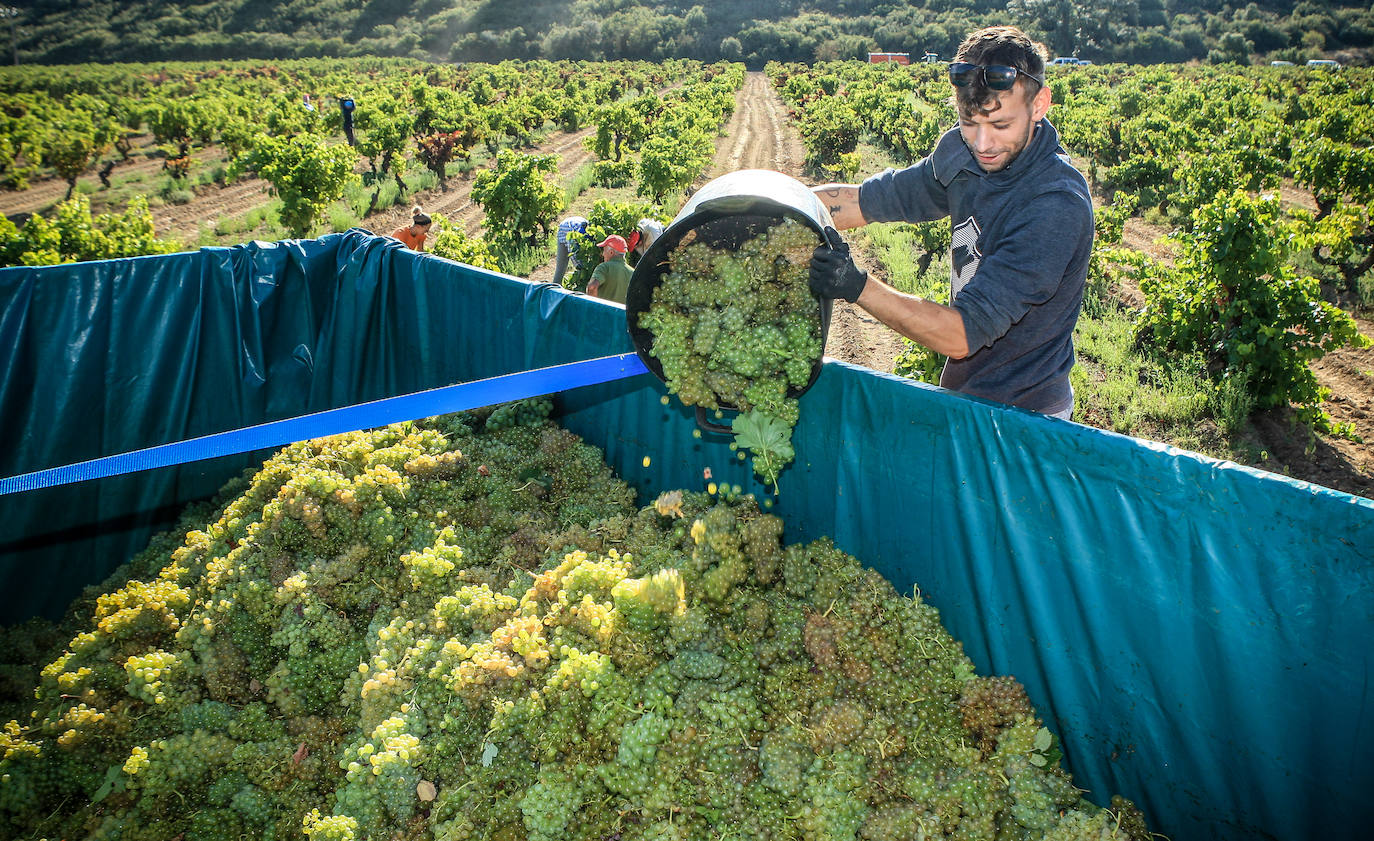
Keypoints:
(144, 159)
(1343, 463)
(759, 135)
(1340, 463)
(454, 199)
(212, 202)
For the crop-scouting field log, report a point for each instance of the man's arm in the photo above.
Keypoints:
(833, 274)
(842, 200)
(927, 323)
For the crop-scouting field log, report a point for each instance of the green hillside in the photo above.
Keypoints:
(1144, 31)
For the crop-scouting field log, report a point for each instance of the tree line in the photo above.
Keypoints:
(751, 31)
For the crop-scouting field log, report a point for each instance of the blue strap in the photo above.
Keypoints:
(405, 407)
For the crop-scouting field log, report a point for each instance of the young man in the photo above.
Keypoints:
(1022, 231)
(611, 278)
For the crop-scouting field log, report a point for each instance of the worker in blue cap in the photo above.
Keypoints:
(565, 249)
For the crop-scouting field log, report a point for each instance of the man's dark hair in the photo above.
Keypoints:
(1005, 45)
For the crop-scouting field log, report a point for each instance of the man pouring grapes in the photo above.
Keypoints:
(1021, 222)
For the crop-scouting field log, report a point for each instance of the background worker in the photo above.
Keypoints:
(346, 107)
(413, 235)
(611, 279)
(1021, 219)
(564, 249)
(643, 236)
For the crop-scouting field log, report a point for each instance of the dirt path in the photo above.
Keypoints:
(758, 136)
(214, 202)
(144, 159)
(210, 204)
(41, 195)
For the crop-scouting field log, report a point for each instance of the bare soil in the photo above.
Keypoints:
(144, 160)
(758, 135)
(1334, 462)
(211, 202)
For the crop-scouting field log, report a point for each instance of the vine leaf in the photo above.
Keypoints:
(114, 783)
(769, 439)
(762, 433)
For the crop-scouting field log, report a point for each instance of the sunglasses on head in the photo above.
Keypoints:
(998, 77)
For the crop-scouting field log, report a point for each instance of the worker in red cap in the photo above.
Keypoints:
(611, 279)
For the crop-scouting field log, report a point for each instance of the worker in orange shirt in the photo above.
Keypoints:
(412, 236)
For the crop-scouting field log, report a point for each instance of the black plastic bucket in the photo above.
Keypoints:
(725, 213)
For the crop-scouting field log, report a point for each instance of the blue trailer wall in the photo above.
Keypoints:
(1197, 632)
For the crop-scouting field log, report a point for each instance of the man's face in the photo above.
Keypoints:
(997, 136)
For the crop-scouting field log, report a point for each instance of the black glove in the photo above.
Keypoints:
(833, 273)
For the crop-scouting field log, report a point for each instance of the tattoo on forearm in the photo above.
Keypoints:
(833, 192)
(835, 208)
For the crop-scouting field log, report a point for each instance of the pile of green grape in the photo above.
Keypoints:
(401, 635)
(739, 328)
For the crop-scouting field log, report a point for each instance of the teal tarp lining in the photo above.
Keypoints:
(1199, 634)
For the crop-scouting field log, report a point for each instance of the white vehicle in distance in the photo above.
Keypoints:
(1065, 60)
(1280, 63)
(1322, 62)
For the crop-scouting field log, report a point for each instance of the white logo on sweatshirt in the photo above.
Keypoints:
(964, 256)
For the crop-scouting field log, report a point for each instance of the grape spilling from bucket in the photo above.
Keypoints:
(737, 328)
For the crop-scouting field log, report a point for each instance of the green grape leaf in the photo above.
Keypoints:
(114, 783)
(537, 475)
(963, 672)
(763, 434)
(1043, 739)
(489, 752)
(1038, 760)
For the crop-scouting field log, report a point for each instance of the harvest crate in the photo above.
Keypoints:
(1197, 632)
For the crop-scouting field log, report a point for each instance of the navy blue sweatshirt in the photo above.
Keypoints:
(1021, 239)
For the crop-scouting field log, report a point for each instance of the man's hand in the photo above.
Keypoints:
(833, 273)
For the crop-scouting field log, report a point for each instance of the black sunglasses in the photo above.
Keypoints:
(998, 77)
